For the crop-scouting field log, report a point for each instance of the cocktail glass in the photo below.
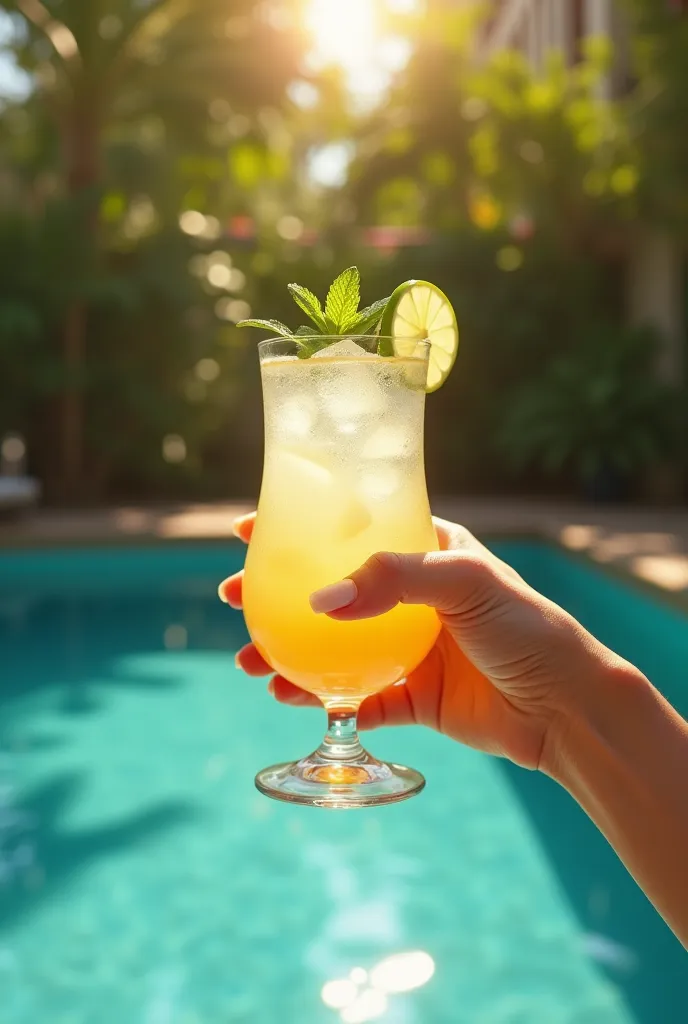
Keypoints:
(343, 478)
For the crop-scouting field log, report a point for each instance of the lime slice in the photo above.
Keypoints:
(419, 311)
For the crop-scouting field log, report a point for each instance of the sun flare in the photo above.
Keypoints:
(344, 32)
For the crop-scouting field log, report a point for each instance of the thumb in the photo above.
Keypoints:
(450, 581)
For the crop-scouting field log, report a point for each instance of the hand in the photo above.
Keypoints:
(506, 668)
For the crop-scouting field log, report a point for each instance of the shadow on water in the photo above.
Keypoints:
(70, 649)
(66, 645)
(38, 856)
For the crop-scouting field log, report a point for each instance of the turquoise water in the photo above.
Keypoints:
(143, 880)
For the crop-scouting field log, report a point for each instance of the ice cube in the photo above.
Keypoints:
(304, 467)
(380, 484)
(355, 518)
(351, 390)
(296, 417)
(347, 347)
(388, 442)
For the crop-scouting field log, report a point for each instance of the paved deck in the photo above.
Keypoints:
(648, 544)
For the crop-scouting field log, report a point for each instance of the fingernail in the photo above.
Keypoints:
(235, 527)
(237, 662)
(220, 594)
(337, 595)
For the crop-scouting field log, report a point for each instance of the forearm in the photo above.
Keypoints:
(623, 754)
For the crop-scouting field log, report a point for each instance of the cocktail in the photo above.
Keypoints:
(343, 478)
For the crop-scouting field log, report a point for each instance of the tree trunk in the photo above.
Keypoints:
(82, 161)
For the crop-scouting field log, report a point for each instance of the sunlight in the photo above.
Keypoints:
(343, 33)
(352, 35)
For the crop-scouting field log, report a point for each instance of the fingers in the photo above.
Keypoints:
(243, 526)
(250, 661)
(286, 693)
(390, 707)
(230, 590)
(449, 581)
(443, 529)
(453, 537)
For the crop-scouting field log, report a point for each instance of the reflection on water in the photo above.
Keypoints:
(365, 911)
(363, 995)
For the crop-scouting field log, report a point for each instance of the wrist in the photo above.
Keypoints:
(612, 691)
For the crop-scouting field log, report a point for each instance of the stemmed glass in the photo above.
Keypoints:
(343, 478)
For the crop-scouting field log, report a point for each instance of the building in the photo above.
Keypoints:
(655, 272)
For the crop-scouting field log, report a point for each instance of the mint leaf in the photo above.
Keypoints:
(343, 299)
(367, 319)
(309, 341)
(310, 304)
(274, 326)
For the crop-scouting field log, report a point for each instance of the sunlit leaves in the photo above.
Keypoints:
(343, 299)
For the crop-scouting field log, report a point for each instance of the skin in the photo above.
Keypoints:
(514, 675)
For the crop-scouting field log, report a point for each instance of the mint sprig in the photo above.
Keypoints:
(343, 299)
(340, 317)
(310, 304)
(276, 326)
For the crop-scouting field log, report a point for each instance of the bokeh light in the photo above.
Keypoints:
(173, 448)
(13, 449)
(207, 370)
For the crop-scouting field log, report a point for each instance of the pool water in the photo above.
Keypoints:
(143, 880)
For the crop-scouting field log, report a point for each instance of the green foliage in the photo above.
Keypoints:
(529, 183)
(598, 408)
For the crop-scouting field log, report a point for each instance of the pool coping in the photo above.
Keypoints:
(645, 547)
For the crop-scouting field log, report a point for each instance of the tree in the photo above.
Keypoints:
(107, 70)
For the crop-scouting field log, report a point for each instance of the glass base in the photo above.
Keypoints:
(339, 784)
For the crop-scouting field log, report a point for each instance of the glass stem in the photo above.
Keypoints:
(341, 741)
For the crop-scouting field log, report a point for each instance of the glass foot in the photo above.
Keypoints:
(326, 782)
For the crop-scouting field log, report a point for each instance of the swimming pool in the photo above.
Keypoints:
(143, 880)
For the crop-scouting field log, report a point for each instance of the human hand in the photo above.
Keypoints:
(508, 665)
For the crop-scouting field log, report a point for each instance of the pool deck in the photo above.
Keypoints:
(649, 545)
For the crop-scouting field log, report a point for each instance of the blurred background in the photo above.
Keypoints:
(168, 166)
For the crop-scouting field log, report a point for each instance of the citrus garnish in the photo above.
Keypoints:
(420, 311)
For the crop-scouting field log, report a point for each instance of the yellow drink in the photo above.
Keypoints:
(343, 479)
